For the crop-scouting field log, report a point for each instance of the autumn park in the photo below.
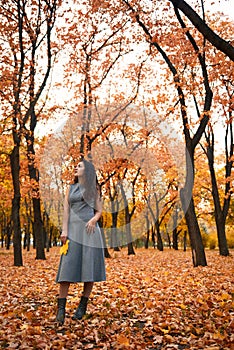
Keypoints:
(144, 92)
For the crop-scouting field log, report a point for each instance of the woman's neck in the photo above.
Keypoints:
(81, 181)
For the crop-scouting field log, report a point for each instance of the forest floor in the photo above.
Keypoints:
(151, 300)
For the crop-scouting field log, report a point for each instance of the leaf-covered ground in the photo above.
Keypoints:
(153, 300)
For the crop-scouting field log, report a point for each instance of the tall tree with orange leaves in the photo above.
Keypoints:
(26, 30)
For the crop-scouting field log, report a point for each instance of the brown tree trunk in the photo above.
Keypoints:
(198, 253)
(185, 240)
(219, 217)
(127, 222)
(175, 231)
(106, 251)
(114, 230)
(175, 239)
(153, 236)
(147, 232)
(159, 237)
(38, 229)
(37, 216)
(15, 171)
(128, 231)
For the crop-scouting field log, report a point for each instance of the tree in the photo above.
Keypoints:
(191, 142)
(26, 26)
(5, 188)
(223, 100)
(201, 25)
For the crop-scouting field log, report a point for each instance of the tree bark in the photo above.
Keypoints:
(219, 215)
(127, 222)
(147, 231)
(38, 229)
(159, 237)
(106, 251)
(175, 239)
(15, 172)
(128, 228)
(37, 216)
(198, 253)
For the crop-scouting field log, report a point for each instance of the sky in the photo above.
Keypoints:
(225, 6)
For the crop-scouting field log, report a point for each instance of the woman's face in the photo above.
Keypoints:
(80, 169)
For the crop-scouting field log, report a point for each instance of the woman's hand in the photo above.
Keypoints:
(63, 238)
(90, 226)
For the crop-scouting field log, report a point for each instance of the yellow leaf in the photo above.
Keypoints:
(219, 336)
(64, 248)
(149, 304)
(121, 339)
(225, 296)
(165, 331)
(218, 313)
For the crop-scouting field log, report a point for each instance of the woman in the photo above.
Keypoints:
(84, 260)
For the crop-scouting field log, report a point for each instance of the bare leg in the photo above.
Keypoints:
(63, 289)
(88, 286)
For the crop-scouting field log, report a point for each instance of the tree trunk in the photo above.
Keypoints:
(15, 171)
(128, 232)
(127, 222)
(130, 249)
(8, 234)
(159, 237)
(114, 230)
(198, 253)
(153, 236)
(219, 214)
(147, 232)
(106, 251)
(175, 239)
(38, 229)
(37, 216)
(175, 232)
(219, 217)
(185, 240)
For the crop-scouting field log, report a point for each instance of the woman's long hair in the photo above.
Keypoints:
(92, 188)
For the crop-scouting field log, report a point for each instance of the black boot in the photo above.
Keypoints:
(81, 310)
(61, 311)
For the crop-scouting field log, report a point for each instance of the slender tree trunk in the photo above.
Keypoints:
(175, 239)
(38, 229)
(37, 216)
(128, 231)
(127, 223)
(185, 240)
(174, 232)
(15, 171)
(106, 251)
(147, 232)
(219, 217)
(153, 236)
(198, 253)
(169, 239)
(129, 238)
(159, 237)
(114, 231)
